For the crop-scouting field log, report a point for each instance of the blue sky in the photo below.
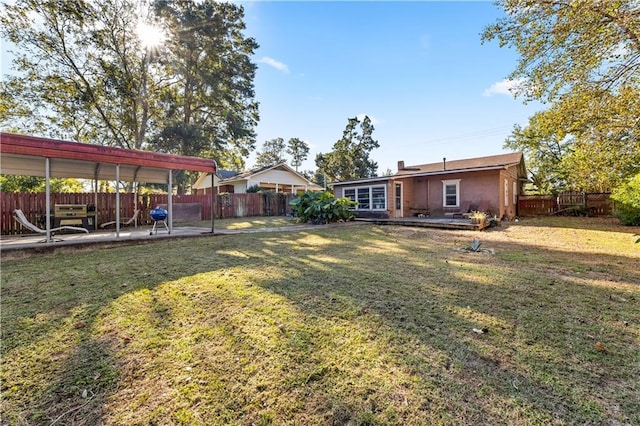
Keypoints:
(417, 69)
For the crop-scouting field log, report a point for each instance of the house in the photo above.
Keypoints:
(448, 188)
(203, 184)
(277, 178)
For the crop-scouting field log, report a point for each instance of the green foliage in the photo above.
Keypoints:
(475, 245)
(581, 59)
(349, 158)
(322, 207)
(272, 153)
(627, 202)
(12, 183)
(84, 73)
(478, 217)
(299, 151)
(254, 189)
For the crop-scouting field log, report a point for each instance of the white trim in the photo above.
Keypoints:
(382, 180)
(446, 183)
(398, 212)
(370, 188)
(506, 192)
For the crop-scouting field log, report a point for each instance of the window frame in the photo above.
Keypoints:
(445, 184)
(356, 190)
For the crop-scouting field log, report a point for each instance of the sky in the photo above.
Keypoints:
(418, 69)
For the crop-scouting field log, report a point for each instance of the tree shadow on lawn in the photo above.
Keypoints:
(600, 223)
(420, 317)
(539, 358)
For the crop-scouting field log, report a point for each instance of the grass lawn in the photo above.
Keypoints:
(243, 223)
(343, 325)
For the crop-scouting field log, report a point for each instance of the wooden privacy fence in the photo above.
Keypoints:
(227, 206)
(597, 204)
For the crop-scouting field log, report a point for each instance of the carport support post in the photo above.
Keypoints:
(213, 204)
(117, 200)
(170, 200)
(47, 191)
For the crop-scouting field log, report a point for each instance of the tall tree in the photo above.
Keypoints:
(272, 153)
(82, 71)
(583, 59)
(210, 104)
(298, 150)
(85, 73)
(349, 158)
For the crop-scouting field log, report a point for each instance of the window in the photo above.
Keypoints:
(368, 197)
(398, 196)
(378, 198)
(451, 193)
(515, 194)
(350, 194)
(363, 199)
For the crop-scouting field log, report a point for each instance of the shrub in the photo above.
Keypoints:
(627, 202)
(254, 189)
(321, 207)
(478, 217)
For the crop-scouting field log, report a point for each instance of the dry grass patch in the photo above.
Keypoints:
(357, 325)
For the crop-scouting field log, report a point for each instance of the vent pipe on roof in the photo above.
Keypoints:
(444, 163)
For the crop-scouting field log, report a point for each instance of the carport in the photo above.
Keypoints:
(43, 157)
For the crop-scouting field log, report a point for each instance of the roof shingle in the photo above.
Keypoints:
(460, 165)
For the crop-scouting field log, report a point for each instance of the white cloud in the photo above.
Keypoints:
(280, 66)
(505, 87)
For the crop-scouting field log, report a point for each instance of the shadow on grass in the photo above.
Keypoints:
(602, 223)
(414, 305)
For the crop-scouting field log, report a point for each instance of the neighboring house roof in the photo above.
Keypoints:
(204, 180)
(254, 175)
(226, 174)
(478, 163)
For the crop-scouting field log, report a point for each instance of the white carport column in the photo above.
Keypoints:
(117, 200)
(213, 204)
(47, 192)
(170, 200)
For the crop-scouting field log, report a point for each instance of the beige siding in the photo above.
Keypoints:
(280, 177)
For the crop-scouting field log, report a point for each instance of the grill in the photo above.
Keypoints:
(158, 215)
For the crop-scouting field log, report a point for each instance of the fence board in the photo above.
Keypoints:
(598, 204)
(227, 206)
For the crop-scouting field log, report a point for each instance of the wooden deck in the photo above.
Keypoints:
(428, 222)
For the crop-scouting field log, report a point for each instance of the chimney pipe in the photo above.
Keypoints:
(444, 163)
(400, 165)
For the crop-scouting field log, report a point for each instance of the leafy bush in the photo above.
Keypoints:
(627, 202)
(478, 217)
(254, 189)
(321, 207)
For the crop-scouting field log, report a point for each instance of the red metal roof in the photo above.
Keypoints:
(22, 154)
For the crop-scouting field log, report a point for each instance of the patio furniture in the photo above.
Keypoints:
(19, 216)
(123, 222)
